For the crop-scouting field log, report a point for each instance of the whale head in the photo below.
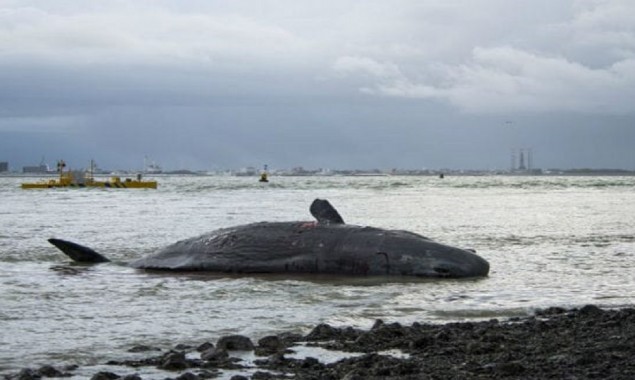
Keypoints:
(411, 254)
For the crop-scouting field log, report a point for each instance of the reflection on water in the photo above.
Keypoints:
(550, 241)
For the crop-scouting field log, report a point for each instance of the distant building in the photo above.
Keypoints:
(525, 160)
(248, 171)
(521, 165)
(4, 167)
(41, 168)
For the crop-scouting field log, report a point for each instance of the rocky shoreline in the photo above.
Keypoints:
(583, 343)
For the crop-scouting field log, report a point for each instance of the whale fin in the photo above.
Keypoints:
(77, 252)
(325, 213)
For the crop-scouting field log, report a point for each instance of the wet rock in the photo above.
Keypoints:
(421, 342)
(104, 375)
(50, 371)
(260, 375)
(131, 377)
(174, 361)
(269, 345)
(374, 365)
(143, 348)
(289, 338)
(383, 335)
(352, 375)
(205, 374)
(204, 347)
(196, 376)
(215, 354)
(235, 343)
(311, 363)
(323, 332)
(153, 361)
(25, 374)
(510, 369)
(274, 361)
(271, 341)
(591, 310)
(551, 311)
(239, 377)
(188, 376)
(378, 323)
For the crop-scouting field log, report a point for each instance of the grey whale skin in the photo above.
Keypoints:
(328, 246)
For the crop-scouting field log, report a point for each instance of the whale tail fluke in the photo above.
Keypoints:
(78, 252)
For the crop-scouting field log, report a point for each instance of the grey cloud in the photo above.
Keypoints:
(498, 77)
(318, 83)
(503, 80)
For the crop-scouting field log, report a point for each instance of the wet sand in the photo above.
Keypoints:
(583, 343)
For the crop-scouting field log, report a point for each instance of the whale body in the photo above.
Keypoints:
(325, 246)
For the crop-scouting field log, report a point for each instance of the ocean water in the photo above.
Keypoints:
(550, 241)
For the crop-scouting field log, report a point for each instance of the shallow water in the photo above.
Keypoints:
(564, 241)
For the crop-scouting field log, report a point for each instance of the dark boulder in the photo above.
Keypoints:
(134, 376)
(204, 347)
(104, 375)
(173, 361)
(235, 343)
(143, 348)
(26, 374)
(269, 345)
(188, 376)
(50, 371)
(214, 354)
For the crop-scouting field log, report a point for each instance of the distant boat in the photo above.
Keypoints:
(151, 167)
(264, 176)
(78, 179)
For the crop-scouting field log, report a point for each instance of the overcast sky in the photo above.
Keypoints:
(204, 84)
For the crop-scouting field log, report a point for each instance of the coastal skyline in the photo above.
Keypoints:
(347, 84)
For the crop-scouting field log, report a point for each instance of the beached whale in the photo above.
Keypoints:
(325, 246)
